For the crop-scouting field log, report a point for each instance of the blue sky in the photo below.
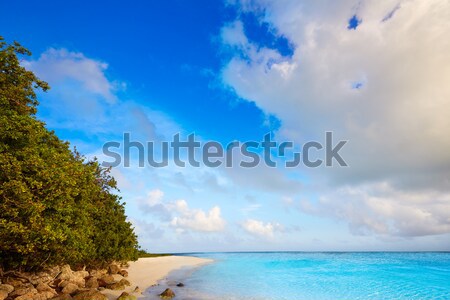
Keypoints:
(167, 53)
(235, 70)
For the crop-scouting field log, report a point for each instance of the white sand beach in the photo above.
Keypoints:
(146, 272)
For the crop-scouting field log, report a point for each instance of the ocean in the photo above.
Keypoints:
(314, 276)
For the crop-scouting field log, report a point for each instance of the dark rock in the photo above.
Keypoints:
(92, 283)
(34, 295)
(98, 273)
(124, 273)
(116, 286)
(61, 283)
(55, 283)
(45, 291)
(37, 296)
(74, 277)
(41, 277)
(42, 287)
(16, 282)
(126, 296)
(63, 297)
(31, 296)
(47, 294)
(180, 284)
(66, 273)
(124, 282)
(69, 288)
(20, 291)
(105, 280)
(89, 295)
(167, 294)
(7, 288)
(53, 271)
(113, 269)
(81, 274)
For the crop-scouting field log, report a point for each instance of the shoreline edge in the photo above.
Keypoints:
(148, 271)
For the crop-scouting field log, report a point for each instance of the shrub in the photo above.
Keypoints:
(55, 207)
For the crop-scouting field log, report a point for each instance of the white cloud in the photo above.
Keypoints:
(154, 197)
(179, 215)
(197, 219)
(233, 35)
(397, 123)
(153, 204)
(380, 209)
(57, 65)
(81, 95)
(84, 99)
(146, 230)
(261, 229)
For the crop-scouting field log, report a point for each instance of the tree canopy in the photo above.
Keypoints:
(55, 206)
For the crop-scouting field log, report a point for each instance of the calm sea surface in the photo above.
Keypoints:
(318, 275)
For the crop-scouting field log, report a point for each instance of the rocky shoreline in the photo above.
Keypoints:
(116, 282)
(63, 283)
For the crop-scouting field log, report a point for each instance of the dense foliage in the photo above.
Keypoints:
(55, 207)
(143, 253)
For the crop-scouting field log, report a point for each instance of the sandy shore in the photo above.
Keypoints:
(146, 272)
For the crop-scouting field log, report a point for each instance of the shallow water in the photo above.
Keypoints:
(300, 275)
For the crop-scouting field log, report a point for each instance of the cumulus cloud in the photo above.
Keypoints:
(197, 219)
(381, 209)
(261, 229)
(382, 86)
(146, 229)
(398, 113)
(153, 204)
(81, 95)
(233, 35)
(84, 98)
(179, 215)
(58, 65)
(154, 197)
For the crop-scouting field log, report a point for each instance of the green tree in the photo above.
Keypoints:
(55, 207)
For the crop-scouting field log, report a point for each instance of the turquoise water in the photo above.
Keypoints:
(300, 275)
